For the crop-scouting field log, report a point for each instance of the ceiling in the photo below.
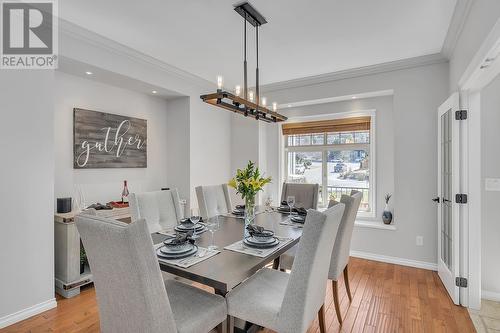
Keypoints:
(302, 38)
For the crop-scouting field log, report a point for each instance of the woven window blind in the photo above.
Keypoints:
(327, 126)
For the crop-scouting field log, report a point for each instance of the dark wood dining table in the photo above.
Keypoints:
(228, 269)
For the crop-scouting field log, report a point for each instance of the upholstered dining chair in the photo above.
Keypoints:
(131, 293)
(288, 303)
(340, 255)
(306, 195)
(161, 209)
(213, 200)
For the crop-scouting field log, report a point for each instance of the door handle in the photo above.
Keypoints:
(436, 199)
(446, 200)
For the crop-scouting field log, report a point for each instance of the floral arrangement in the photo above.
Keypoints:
(249, 181)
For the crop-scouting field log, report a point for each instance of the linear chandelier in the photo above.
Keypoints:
(248, 105)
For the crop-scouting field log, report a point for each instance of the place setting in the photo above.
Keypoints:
(258, 242)
(297, 215)
(180, 248)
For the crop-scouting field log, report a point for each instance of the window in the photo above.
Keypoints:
(334, 154)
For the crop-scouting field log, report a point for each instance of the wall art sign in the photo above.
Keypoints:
(104, 140)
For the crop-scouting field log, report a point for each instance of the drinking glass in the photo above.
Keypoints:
(290, 200)
(195, 218)
(212, 226)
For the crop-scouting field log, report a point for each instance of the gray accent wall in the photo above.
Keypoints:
(418, 92)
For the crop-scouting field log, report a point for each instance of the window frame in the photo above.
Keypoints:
(369, 147)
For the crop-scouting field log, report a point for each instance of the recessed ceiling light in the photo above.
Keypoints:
(88, 73)
(289, 105)
(154, 91)
(353, 97)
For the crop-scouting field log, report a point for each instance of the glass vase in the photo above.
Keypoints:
(249, 214)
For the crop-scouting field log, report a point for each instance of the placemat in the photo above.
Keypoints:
(202, 254)
(240, 247)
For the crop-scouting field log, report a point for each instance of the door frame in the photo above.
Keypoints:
(474, 79)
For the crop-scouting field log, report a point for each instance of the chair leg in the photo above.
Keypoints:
(321, 317)
(230, 324)
(335, 290)
(346, 280)
(222, 327)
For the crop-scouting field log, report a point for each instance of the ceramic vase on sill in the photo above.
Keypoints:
(387, 214)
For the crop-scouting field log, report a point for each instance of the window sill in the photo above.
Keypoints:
(374, 225)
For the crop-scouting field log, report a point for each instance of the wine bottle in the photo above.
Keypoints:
(125, 192)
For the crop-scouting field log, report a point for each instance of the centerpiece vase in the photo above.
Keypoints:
(249, 214)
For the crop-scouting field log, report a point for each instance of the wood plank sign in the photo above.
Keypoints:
(104, 140)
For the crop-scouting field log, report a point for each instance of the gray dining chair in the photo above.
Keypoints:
(306, 195)
(131, 293)
(161, 209)
(213, 200)
(340, 255)
(288, 303)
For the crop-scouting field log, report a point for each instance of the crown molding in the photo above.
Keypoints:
(458, 19)
(77, 32)
(357, 72)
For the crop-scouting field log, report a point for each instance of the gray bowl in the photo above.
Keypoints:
(264, 236)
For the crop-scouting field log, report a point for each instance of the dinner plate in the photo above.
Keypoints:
(250, 243)
(257, 241)
(298, 218)
(168, 250)
(199, 226)
(284, 209)
(162, 255)
(238, 212)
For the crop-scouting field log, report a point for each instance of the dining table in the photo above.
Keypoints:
(227, 269)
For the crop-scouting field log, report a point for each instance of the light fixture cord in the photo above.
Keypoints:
(257, 69)
(245, 85)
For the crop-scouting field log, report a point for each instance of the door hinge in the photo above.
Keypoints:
(461, 198)
(461, 282)
(461, 114)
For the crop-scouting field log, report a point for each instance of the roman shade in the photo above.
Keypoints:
(327, 126)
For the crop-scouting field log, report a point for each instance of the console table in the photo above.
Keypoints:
(67, 243)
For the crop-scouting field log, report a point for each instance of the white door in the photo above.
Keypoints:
(448, 187)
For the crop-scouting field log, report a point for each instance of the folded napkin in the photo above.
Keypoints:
(182, 238)
(254, 229)
(100, 206)
(301, 211)
(240, 207)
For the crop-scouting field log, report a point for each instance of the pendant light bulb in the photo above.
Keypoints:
(250, 95)
(275, 106)
(237, 90)
(264, 101)
(220, 82)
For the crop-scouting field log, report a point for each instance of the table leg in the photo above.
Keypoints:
(276, 263)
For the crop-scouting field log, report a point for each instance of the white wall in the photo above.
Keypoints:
(178, 138)
(210, 145)
(490, 168)
(104, 185)
(26, 193)
(482, 17)
(418, 92)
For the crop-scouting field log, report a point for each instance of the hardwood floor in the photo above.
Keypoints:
(386, 298)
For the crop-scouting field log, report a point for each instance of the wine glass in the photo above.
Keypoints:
(195, 218)
(290, 200)
(212, 226)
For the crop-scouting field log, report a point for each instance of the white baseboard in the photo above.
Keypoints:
(394, 260)
(490, 295)
(28, 312)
